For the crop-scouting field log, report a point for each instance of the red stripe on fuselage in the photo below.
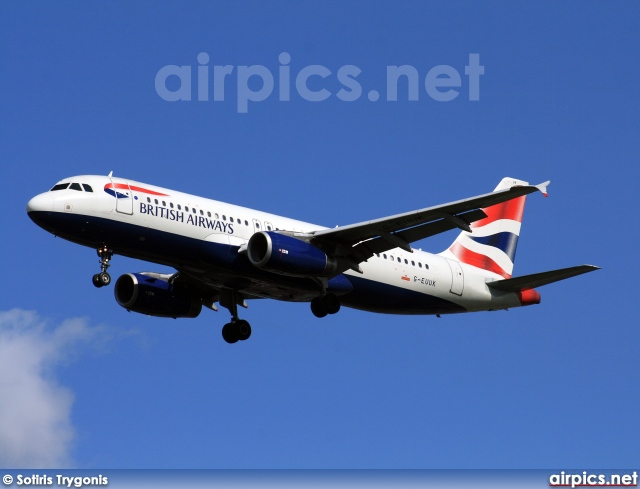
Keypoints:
(133, 188)
(477, 260)
(511, 209)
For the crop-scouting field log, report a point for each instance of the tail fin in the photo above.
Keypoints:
(492, 243)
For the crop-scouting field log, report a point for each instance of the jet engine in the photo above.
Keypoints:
(287, 255)
(155, 295)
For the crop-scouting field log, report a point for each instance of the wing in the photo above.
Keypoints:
(356, 243)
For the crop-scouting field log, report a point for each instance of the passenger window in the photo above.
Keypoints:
(164, 204)
(224, 218)
(426, 266)
(269, 228)
(156, 201)
(186, 208)
(193, 209)
(171, 204)
(149, 200)
(384, 255)
(231, 219)
(217, 216)
(60, 186)
(399, 260)
(208, 214)
(419, 265)
(87, 187)
(413, 264)
(406, 262)
(75, 186)
(246, 223)
(201, 212)
(179, 207)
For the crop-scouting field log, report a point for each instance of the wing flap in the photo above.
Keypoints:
(518, 284)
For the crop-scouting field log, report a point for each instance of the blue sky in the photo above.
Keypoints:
(89, 385)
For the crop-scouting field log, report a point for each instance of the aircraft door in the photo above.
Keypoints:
(257, 227)
(457, 277)
(124, 196)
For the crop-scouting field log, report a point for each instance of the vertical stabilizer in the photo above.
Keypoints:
(491, 245)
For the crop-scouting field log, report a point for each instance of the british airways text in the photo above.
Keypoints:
(194, 220)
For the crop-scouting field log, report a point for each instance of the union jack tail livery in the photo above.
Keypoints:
(491, 245)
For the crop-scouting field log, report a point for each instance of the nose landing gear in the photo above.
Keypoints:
(103, 278)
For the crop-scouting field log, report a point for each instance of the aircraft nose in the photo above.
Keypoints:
(40, 203)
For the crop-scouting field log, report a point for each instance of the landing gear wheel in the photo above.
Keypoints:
(243, 329)
(105, 278)
(237, 329)
(326, 304)
(234, 331)
(331, 303)
(229, 333)
(318, 307)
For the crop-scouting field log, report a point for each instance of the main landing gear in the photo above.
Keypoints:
(238, 329)
(325, 304)
(103, 278)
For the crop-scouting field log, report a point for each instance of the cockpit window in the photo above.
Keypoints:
(75, 186)
(60, 186)
(87, 187)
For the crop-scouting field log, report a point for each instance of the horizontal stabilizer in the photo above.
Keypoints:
(518, 284)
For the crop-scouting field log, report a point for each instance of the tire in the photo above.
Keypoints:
(229, 333)
(243, 329)
(105, 278)
(318, 308)
(96, 280)
(331, 303)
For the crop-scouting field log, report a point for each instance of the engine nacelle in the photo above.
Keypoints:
(289, 256)
(155, 297)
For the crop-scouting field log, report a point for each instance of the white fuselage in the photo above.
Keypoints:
(158, 224)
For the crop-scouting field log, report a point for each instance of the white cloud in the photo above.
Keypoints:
(35, 411)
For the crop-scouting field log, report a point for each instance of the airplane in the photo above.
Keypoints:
(227, 254)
